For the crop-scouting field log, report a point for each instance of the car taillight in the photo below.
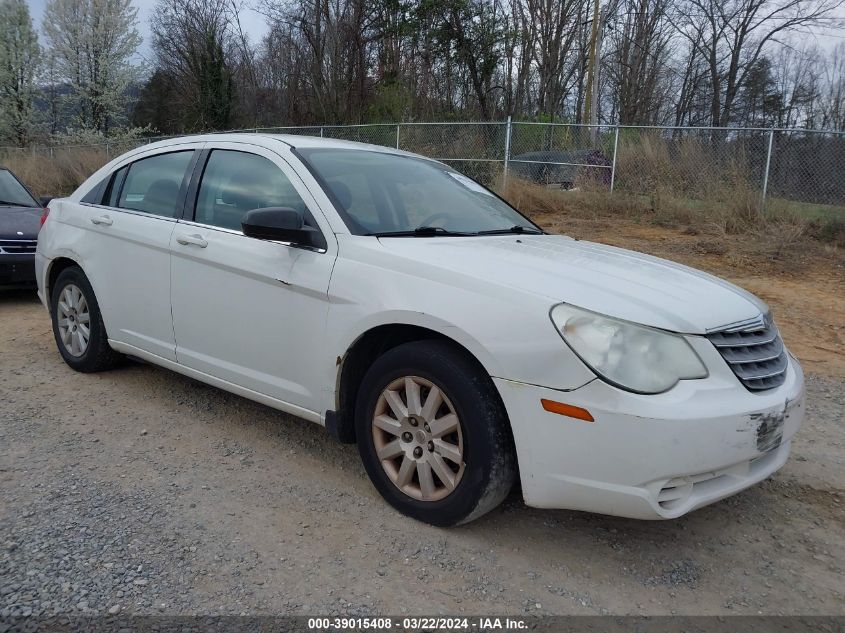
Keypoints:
(44, 215)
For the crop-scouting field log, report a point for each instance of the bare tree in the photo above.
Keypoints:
(685, 62)
(831, 114)
(731, 35)
(639, 64)
(796, 73)
(554, 21)
(334, 40)
(473, 28)
(691, 105)
(194, 44)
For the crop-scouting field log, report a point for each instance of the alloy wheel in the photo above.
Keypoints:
(418, 438)
(74, 320)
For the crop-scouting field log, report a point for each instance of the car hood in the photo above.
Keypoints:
(19, 223)
(608, 280)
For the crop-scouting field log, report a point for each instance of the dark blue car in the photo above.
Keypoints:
(20, 219)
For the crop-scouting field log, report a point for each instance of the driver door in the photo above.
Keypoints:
(248, 311)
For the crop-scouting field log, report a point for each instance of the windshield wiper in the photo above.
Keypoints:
(421, 231)
(514, 229)
(436, 231)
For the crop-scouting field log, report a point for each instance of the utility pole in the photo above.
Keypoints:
(591, 99)
(596, 74)
(591, 63)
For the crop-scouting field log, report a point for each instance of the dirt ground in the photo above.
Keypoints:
(140, 491)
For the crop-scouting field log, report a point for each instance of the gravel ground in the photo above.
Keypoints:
(139, 491)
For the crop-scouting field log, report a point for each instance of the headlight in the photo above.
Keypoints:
(632, 357)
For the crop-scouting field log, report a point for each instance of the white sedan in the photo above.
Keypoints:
(411, 311)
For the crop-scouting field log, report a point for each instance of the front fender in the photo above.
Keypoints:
(355, 330)
(507, 330)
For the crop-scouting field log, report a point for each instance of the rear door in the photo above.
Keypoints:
(127, 248)
(249, 311)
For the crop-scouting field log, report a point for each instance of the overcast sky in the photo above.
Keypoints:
(254, 24)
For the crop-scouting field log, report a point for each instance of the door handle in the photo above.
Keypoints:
(192, 240)
(103, 219)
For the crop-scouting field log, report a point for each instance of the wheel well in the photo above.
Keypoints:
(59, 264)
(358, 359)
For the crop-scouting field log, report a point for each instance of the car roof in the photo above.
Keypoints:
(269, 141)
(295, 141)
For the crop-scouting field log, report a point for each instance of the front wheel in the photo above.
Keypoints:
(433, 434)
(77, 324)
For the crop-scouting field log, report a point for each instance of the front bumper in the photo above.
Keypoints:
(17, 270)
(651, 456)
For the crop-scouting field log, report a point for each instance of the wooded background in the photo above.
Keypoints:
(732, 63)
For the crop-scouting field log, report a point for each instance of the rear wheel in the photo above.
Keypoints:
(77, 324)
(433, 434)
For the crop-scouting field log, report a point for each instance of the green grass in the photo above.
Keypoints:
(808, 210)
(778, 206)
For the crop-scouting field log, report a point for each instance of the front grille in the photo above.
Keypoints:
(17, 247)
(754, 352)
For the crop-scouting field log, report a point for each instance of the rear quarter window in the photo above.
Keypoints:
(153, 184)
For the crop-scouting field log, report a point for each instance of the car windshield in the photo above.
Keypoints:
(13, 193)
(384, 194)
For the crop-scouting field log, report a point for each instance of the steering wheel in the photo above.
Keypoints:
(436, 216)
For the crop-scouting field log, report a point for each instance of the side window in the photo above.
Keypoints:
(95, 196)
(152, 184)
(236, 182)
(113, 189)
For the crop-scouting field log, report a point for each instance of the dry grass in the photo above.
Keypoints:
(56, 175)
(776, 234)
(678, 189)
(693, 181)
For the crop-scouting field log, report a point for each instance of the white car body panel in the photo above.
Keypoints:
(131, 253)
(273, 323)
(596, 277)
(250, 311)
(704, 431)
(508, 330)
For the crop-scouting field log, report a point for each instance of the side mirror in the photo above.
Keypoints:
(279, 224)
(45, 200)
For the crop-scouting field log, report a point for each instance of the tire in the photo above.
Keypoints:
(95, 354)
(476, 446)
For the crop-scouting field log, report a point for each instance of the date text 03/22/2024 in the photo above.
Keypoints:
(418, 624)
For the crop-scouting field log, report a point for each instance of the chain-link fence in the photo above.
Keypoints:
(798, 169)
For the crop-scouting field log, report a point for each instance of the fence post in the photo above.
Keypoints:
(766, 173)
(397, 135)
(321, 131)
(507, 151)
(613, 164)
